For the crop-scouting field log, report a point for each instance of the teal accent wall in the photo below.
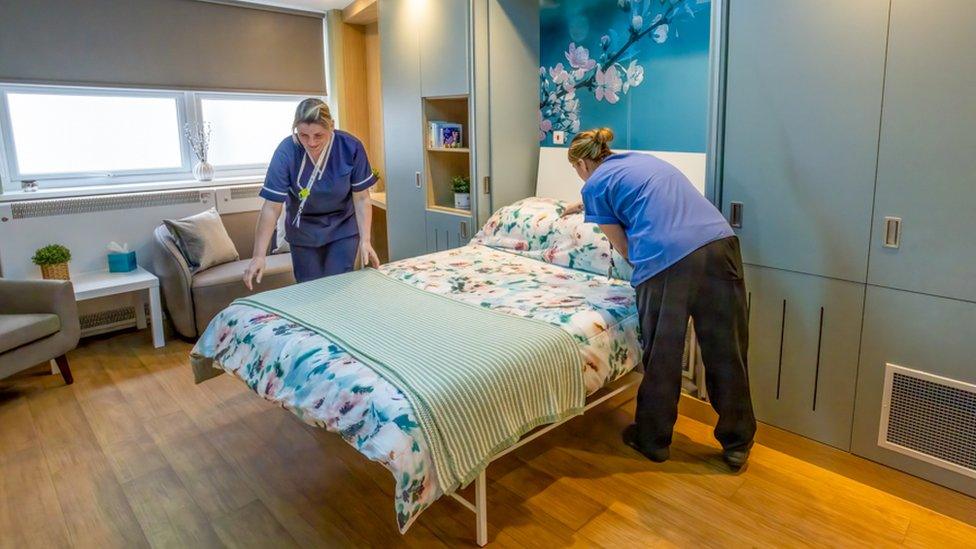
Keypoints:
(639, 67)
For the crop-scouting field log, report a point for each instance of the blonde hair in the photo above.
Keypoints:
(591, 145)
(311, 111)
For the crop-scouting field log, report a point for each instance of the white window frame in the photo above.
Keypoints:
(246, 169)
(188, 107)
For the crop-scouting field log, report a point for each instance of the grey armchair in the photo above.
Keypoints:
(38, 322)
(192, 299)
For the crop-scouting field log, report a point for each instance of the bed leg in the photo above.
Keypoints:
(481, 508)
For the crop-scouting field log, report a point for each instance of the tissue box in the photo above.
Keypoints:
(121, 263)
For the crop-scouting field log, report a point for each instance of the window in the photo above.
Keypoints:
(69, 136)
(58, 135)
(245, 132)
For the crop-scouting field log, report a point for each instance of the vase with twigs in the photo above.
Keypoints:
(198, 136)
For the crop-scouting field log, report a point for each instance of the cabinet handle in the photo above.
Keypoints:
(892, 233)
(464, 230)
(486, 184)
(418, 179)
(735, 215)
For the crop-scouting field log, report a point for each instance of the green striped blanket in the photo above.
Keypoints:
(477, 379)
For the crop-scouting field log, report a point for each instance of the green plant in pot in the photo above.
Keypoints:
(53, 261)
(462, 192)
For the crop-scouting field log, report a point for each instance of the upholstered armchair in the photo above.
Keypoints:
(192, 299)
(38, 322)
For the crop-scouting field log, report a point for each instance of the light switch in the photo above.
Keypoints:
(558, 137)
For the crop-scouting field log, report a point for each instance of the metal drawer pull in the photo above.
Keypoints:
(486, 184)
(892, 233)
(418, 180)
(464, 230)
(735, 215)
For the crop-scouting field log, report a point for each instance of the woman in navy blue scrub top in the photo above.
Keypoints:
(321, 176)
(686, 263)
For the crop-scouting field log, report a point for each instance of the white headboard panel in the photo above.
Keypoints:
(557, 179)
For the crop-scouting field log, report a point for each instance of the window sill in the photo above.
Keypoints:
(126, 188)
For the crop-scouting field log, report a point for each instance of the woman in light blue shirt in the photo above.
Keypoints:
(321, 176)
(686, 263)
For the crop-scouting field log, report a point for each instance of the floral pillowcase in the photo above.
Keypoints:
(534, 228)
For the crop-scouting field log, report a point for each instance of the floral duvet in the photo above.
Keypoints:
(325, 386)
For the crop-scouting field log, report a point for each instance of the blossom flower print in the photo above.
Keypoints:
(579, 60)
(608, 84)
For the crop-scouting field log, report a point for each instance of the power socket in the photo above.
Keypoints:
(558, 137)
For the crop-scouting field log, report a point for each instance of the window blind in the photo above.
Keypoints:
(182, 44)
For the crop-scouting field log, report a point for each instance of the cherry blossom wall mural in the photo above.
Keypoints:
(637, 66)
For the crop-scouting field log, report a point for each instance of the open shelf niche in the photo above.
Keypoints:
(443, 164)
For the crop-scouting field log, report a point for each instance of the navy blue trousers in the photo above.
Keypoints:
(313, 262)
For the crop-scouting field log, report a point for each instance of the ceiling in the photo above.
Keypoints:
(308, 5)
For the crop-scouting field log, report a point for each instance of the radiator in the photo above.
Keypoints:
(930, 418)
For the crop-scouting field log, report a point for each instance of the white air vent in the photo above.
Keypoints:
(930, 418)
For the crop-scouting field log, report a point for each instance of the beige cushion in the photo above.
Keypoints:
(214, 289)
(17, 330)
(203, 240)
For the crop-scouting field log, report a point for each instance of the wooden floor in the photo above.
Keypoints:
(134, 454)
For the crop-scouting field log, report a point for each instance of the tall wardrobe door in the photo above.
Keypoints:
(402, 131)
(927, 160)
(444, 47)
(513, 27)
(803, 106)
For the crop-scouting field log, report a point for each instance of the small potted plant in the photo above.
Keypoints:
(53, 261)
(462, 192)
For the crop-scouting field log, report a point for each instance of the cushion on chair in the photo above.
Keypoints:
(17, 330)
(203, 240)
(215, 288)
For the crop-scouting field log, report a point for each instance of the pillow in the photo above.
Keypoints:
(203, 240)
(534, 228)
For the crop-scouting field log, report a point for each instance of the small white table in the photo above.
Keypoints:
(103, 283)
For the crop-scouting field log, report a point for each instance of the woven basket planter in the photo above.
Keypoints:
(55, 272)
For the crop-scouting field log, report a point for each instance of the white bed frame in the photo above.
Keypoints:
(557, 179)
(480, 504)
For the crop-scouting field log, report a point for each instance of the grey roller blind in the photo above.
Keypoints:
(184, 44)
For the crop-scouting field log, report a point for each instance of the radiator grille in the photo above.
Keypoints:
(65, 206)
(930, 418)
(107, 318)
(248, 191)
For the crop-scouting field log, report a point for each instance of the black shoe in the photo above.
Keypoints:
(735, 459)
(657, 455)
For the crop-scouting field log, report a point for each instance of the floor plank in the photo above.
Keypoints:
(134, 454)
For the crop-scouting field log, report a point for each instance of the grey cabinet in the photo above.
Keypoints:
(443, 29)
(513, 27)
(402, 132)
(447, 230)
(437, 65)
(926, 163)
(928, 334)
(803, 352)
(803, 104)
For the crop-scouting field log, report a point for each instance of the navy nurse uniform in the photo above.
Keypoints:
(320, 218)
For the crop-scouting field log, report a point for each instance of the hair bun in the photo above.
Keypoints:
(603, 136)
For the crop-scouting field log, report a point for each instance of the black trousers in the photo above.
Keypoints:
(708, 286)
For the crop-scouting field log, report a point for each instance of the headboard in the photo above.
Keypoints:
(557, 179)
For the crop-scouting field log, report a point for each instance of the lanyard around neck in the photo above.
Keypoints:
(318, 168)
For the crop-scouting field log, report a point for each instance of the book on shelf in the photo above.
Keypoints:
(444, 135)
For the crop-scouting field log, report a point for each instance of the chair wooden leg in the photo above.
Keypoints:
(65, 370)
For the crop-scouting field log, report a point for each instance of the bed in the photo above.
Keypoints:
(527, 261)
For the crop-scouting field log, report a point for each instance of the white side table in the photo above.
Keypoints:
(103, 283)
